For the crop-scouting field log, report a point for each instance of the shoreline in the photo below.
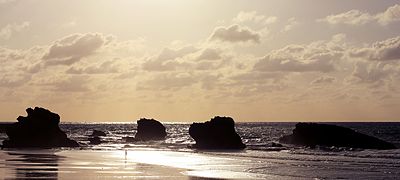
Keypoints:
(110, 164)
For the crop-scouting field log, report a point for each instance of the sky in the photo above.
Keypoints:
(179, 60)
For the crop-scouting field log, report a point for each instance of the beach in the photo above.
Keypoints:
(145, 163)
(114, 164)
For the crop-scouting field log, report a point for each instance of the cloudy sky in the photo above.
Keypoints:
(179, 60)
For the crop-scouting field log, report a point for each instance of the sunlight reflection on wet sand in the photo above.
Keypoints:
(116, 164)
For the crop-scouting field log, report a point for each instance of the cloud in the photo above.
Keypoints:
(357, 17)
(104, 68)
(386, 50)
(271, 64)
(253, 16)
(6, 1)
(352, 17)
(209, 54)
(168, 81)
(372, 73)
(74, 83)
(234, 34)
(323, 80)
(13, 80)
(73, 48)
(292, 22)
(315, 57)
(69, 24)
(167, 59)
(10, 29)
(392, 14)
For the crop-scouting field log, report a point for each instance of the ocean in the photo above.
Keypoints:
(260, 160)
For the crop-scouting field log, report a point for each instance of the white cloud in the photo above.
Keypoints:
(391, 14)
(254, 17)
(352, 17)
(292, 22)
(357, 17)
(315, 57)
(10, 29)
(235, 33)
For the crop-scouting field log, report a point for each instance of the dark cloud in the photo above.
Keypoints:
(235, 33)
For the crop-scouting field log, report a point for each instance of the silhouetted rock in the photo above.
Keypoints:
(312, 134)
(219, 133)
(150, 129)
(98, 133)
(128, 139)
(273, 144)
(95, 140)
(38, 129)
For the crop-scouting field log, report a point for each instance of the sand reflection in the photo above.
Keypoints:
(33, 164)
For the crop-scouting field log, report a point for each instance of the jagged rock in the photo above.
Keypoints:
(95, 140)
(38, 129)
(312, 134)
(219, 133)
(150, 129)
(98, 133)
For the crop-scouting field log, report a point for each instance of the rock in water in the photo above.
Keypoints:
(39, 129)
(95, 140)
(97, 133)
(150, 129)
(312, 134)
(219, 133)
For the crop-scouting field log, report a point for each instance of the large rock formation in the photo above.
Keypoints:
(38, 129)
(149, 129)
(219, 133)
(312, 134)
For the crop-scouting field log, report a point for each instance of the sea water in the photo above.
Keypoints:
(260, 160)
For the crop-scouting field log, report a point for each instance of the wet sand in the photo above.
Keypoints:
(110, 164)
(79, 164)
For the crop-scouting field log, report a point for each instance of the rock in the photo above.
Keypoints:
(219, 133)
(39, 129)
(312, 134)
(273, 144)
(97, 133)
(150, 129)
(95, 140)
(128, 139)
